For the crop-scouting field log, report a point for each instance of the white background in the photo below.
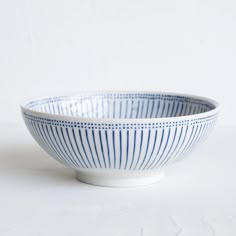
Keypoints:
(51, 47)
(60, 47)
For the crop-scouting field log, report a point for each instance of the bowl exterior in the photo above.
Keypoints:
(118, 146)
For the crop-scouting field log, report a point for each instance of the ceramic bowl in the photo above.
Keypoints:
(119, 138)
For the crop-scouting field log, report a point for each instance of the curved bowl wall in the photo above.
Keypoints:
(119, 139)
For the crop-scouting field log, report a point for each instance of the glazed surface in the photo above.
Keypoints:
(122, 106)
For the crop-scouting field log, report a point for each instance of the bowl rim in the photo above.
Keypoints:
(46, 115)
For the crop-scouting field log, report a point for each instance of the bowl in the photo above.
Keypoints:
(119, 139)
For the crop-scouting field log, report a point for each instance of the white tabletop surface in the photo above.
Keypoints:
(40, 197)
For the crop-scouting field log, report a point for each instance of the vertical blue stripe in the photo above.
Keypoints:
(131, 113)
(101, 145)
(138, 109)
(185, 108)
(83, 148)
(62, 146)
(34, 132)
(134, 148)
(151, 114)
(153, 148)
(149, 132)
(141, 116)
(89, 146)
(189, 138)
(168, 109)
(127, 148)
(158, 107)
(177, 108)
(53, 145)
(120, 148)
(205, 131)
(146, 115)
(126, 109)
(191, 109)
(120, 109)
(96, 151)
(59, 146)
(188, 109)
(199, 134)
(66, 146)
(163, 109)
(75, 154)
(159, 148)
(140, 149)
(167, 155)
(196, 135)
(114, 147)
(158, 159)
(108, 151)
(43, 135)
(39, 137)
(181, 110)
(78, 149)
(198, 108)
(29, 124)
(195, 109)
(173, 109)
(175, 154)
(177, 145)
(179, 148)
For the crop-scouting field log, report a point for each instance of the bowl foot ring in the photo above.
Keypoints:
(118, 178)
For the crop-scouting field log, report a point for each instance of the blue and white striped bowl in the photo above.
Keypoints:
(119, 139)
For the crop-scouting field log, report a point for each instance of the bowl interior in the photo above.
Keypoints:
(121, 106)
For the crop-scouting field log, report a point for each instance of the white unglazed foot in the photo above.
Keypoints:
(118, 178)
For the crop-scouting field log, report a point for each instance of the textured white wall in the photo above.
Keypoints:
(53, 47)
